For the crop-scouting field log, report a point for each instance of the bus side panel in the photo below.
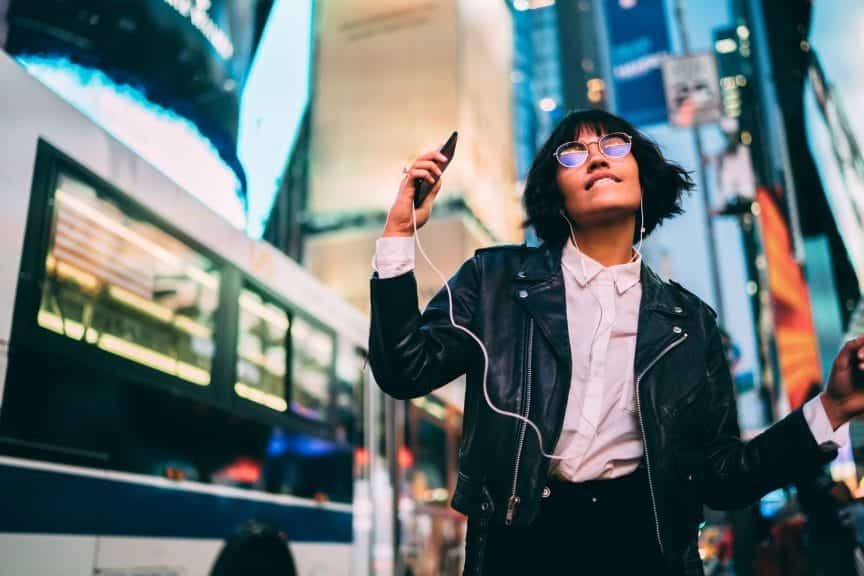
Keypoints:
(314, 558)
(182, 556)
(188, 557)
(46, 555)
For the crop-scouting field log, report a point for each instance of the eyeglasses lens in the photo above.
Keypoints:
(615, 145)
(572, 154)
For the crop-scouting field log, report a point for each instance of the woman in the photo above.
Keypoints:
(623, 374)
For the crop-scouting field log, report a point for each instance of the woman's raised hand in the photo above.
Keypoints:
(399, 219)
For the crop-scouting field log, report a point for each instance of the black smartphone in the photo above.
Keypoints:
(422, 187)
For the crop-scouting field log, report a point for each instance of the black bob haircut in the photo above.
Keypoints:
(663, 183)
(255, 548)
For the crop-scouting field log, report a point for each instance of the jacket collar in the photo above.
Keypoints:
(544, 264)
(539, 287)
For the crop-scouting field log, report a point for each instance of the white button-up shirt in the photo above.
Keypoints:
(601, 437)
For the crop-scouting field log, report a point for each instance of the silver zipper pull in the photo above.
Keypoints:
(512, 504)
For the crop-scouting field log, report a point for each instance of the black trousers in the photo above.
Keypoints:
(601, 527)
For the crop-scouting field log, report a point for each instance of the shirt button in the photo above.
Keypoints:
(677, 330)
(678, 310)
(523, 293)
(594, 499)
(546, 492)
(484, 506)
(520, 275)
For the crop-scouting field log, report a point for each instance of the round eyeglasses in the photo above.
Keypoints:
(573, 154)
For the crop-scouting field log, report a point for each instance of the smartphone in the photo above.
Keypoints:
(422, 187)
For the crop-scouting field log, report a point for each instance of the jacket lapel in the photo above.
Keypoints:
(660, 320)
(538, 287)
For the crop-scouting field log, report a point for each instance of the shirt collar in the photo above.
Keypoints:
(585, 269)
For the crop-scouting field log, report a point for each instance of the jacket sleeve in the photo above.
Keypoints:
(738, 473)
(412, 354)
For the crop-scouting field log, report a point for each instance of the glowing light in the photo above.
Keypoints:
(87, 282)
(153, 359)
(596, 84)
(405, 458)
(243, 470)
(173, 144)
(726, 46)
(260, 397)
(361, 456)
(433, 408)
(277, 318)
(124, 348)
(547, 104)
(435, 495)
(133, 301)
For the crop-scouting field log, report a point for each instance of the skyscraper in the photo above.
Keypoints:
(394, 79)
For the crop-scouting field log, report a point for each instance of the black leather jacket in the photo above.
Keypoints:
(512, 297)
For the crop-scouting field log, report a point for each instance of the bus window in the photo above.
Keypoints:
(312, 351)
(261, 351)
(123, 285)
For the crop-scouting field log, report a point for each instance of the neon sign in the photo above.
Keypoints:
(196, 11)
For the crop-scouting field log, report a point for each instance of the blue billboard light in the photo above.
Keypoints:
(638, 45)
(171, 143)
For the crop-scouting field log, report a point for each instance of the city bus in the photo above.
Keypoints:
(165, 380)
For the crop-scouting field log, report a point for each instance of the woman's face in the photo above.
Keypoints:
(601, 190)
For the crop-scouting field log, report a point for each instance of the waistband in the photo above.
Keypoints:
(632, 484)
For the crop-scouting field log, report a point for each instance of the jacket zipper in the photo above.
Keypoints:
(514, 500)
(645, 438)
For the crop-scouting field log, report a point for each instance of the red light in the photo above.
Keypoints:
(245, 471)
(361, 457)
(405, 457)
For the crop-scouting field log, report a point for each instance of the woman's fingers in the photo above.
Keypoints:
(434, 155)
(421, 173)
(428, 165)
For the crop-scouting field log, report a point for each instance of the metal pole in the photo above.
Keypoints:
(703, 183)
(393, 436)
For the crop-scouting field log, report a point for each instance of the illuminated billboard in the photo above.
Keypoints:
(795, 333)
(211, 92)
(833, 121)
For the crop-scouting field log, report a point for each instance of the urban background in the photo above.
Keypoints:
(193, 190)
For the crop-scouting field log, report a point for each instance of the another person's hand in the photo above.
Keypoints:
(399, 219)
(842, 398)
